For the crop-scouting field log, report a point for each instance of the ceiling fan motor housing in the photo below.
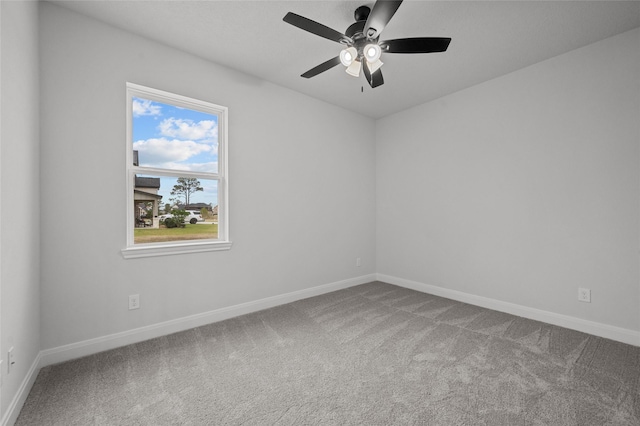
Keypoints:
(356, 30)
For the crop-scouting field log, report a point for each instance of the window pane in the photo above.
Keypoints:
(175, 138)
(174, 209)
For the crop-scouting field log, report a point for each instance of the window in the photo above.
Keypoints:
(176, 174)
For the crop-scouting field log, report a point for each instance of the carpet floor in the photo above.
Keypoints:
(374, 354)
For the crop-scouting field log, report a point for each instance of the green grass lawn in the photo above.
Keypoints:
(189, 232)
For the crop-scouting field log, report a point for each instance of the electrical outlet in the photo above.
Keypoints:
(358, 262)
(584, 295)
(10, 360)
(134, 301)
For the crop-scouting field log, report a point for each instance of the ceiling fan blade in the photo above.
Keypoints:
(380, 16)
(374, 79)
(322, 67)
(314, 27)
(416, 45)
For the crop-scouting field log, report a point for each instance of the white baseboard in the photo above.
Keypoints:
(619, 334)
(11, 415)
(112, 341)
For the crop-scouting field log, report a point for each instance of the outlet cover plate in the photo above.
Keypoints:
(134, 301)
(584, 295)
(10, 359)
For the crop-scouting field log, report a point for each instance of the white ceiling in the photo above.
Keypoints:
(489, 39)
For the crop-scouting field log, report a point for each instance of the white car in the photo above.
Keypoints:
(193, 217)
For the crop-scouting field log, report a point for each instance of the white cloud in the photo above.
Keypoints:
(189, 129)
(156, 152)
(145, 107)
(211, 167)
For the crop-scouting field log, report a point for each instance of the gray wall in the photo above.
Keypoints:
(20, 192)
(302, 199)
(523, 188)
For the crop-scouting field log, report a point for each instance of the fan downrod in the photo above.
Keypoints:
(355, 30)
(362, 13)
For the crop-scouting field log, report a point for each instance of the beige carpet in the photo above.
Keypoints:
(374, 354)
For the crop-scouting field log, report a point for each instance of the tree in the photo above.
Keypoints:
(184, 187)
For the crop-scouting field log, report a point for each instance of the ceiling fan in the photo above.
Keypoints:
(361, 41)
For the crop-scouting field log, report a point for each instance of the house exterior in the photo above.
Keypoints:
(145, 200)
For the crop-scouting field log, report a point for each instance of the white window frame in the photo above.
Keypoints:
(177, 247)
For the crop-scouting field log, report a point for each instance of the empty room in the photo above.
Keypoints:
(319, 212)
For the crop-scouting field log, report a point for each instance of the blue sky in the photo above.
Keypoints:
(174, 138)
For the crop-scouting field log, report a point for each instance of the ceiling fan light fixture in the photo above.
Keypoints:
(348, 56)
(372, 52)
(360, 44)
(354, 69)
(374, 66)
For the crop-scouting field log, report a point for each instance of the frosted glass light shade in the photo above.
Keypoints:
(354, 69)
(348, 56)
(374, 66)
(372, 52)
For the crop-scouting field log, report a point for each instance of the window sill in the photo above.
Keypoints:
(152, 250)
